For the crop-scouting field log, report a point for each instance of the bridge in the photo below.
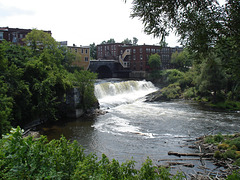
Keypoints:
(108, 69)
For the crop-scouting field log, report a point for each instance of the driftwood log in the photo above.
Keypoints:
(180, 163)
(191, 154)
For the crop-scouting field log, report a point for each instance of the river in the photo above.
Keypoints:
(136, 129)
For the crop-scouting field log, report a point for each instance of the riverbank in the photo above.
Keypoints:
(225, 150)
(173, 92)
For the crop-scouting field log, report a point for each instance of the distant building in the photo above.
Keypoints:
(135, 57)
(15, 35)
(82, 56)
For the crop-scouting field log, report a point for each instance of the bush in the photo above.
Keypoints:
(218, 138)
(223, 146)
(189, 93)
(230, 154)
(217, 154)
(29, 158)
(173, 91)
(236, 142)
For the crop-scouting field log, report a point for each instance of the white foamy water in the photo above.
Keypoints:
(111, 94)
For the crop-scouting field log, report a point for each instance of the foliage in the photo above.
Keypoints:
(110, 41)
(234, 176)
(182, 60)
(29, 158)
(228, 146)
(34, 79)
(154, 61)
(135, 41)
(84, 81)
(5, 108)
(173, 91)
(127, 41)
(212, 78)
(211, 34)
(171, 76)
(93, 51)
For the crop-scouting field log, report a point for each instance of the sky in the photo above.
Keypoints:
(79, 22)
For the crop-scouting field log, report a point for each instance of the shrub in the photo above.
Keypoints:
(29, 158)
(189, 93)
(218, 138)
(173, 91)
(230, 154)
(223, 146)
(217, 154)
(236, 142)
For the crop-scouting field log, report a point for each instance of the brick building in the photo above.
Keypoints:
(135, 57)
(15, 35)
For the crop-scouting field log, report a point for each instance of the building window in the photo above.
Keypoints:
(141, 57)
(134, 57)
(148, 50)
(86, 59)
(82, 51)
(86, 51)
(75, 49)
(134, 51)
(153, 50)
(140, 50)
(1, 35)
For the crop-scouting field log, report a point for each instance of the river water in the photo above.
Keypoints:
(136, 129)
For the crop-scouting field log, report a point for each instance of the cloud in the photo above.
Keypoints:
(8, 11)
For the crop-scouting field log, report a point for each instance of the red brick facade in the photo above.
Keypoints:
(137, 60)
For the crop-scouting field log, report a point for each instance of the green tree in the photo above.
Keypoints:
(212, 78)
(84, 82)
(38, 41)
(5, 108)
(93, 51)
(110, 41)
(182, 60)
(127, 41)
(155, 61)
(197, 22)
(135, 40)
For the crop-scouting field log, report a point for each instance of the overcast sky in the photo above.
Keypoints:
(81, 22)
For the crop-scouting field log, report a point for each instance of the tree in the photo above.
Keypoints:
(212, 79)
(182, 60)
(135, 40)
(199, 23)
(205, 27)
(163, 43)
(93, 51)
(155, 61)
(127, 41)
(84, 81)
(111, 41)
(38, 40)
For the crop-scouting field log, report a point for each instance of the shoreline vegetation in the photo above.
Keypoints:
(175, 84)
(34, 157)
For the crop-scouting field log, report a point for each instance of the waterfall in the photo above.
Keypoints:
(111, 94)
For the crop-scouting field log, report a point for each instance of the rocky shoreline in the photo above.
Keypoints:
(225, 166)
